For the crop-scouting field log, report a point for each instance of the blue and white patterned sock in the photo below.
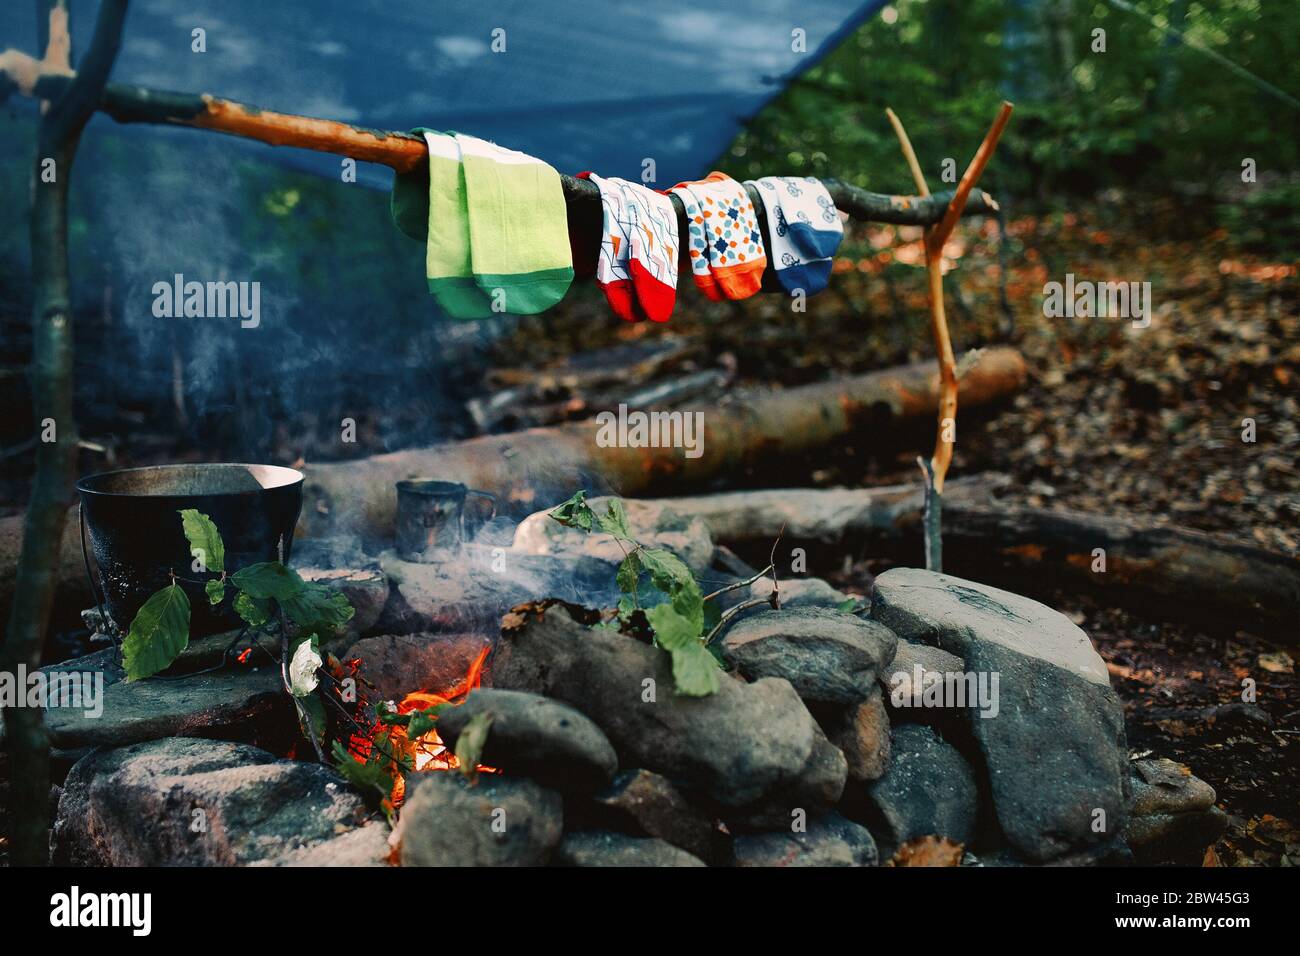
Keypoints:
(805, 228)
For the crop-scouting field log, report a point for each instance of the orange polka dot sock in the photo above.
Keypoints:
(725, 245)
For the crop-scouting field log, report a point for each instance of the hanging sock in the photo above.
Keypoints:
(726, 248)
(637, 269)
(447, 263)
(518, 227)
(408, 203)
(805, 229)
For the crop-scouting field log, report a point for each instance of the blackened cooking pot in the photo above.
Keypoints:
(136, 537)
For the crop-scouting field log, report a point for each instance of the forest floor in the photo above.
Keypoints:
(1116, 420)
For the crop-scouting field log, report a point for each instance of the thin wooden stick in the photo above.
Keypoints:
(932, 514)
(940, 233)
(909, 154)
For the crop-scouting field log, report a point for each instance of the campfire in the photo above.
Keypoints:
(426, 752)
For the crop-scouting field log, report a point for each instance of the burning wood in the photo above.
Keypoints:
(399, 745)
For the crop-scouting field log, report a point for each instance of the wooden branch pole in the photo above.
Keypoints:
(935, 471)
(402, 152)
(51, 375)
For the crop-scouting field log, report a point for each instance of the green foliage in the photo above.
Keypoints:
(268, 579)
(317, 609)
(422, 721)
(470, 743)
(1149, 112)
(205, 541)
(216, 591)
(160, 631)
(254, 611)
(679, 621)
(364, 775)
(311, 718)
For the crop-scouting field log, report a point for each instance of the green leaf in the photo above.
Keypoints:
(614, 520)
(363, 775)
(205, 541)
(574, 513)
(669, 574)
(158, 634)
(268, 579)
(311, 718)
(216, 591)
(695, 670)
(318, 608)
(672, 630)
(629, 571)
(667, 571)
(254, 611)
(421, 722)
(470, 743)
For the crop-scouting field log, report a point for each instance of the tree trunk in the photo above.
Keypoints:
(51, 375)
(1157, 570)
(532, 469)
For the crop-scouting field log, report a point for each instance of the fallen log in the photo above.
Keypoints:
(821, 516)
(1164, 572)
(531, 469)
(1161, 570)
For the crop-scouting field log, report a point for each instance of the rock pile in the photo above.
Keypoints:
(948, 709)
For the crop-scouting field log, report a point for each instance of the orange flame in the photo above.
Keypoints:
(427, 752)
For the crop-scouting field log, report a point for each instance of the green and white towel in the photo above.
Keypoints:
(496, 228)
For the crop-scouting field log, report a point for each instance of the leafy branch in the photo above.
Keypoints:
(263, 592)
(678, 620)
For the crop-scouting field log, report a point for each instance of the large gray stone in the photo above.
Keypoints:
(861, 732)
(400, 664)
(929, 789)
(367, 845)
(740, 745)
(474, 587)
(818, 785)
(534, 736)
(497, 821)
(830, 840)
(648, 803)
(232, 702)
(801, 592)
(604, 848)
(826, 655)
(191, 802)
(652, 523)
(1173, 817)
(1055, 753)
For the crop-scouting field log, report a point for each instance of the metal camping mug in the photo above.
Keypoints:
(431, 518)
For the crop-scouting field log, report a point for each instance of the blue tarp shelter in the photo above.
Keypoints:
(583, 86)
